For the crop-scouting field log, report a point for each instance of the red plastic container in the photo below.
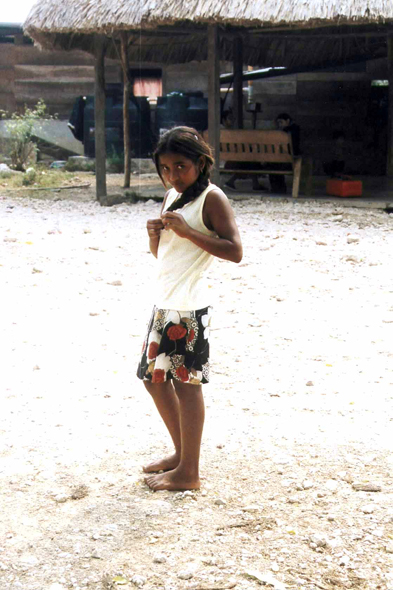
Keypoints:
(337, 187)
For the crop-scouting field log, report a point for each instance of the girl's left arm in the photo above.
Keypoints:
(218, 216)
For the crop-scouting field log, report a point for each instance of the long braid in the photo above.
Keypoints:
(191, 193)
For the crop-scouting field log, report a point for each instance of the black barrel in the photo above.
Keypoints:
(181, 109)
(139, 128)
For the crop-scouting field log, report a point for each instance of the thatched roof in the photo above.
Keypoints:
(92, 15)
(174, 31)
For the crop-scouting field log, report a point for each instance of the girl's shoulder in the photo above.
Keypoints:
(217, 208)
(216, 194)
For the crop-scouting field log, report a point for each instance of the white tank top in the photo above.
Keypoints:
(183, 266)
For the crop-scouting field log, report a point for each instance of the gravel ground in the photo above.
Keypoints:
(296, 458)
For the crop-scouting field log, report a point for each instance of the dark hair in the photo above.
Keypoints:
(284, 116)
(187, 142)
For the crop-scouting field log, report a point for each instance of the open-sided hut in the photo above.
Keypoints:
(298, 35)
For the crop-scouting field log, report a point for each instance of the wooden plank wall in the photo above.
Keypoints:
(58, 77)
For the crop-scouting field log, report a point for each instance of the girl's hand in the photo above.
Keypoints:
(154, 227)
(176, 223)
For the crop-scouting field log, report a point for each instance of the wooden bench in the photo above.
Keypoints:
(262, 147)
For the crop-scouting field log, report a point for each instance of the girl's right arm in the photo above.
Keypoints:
(154, 227)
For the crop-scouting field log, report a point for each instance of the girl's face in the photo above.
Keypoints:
(178, 171)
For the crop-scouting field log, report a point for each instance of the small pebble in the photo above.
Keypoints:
(138, 581)
(210, 561)
(307, 484)
(251, 508)
(366, 487)
(318, 540)
(185, 575)
(389, 547)
(352, 258)
(116, 283)
(61, 498)
(368, 509)
(331, 485)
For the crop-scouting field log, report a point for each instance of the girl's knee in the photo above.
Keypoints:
(186, 388)
(157, 388)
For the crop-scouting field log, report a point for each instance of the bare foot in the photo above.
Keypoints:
(173, 480)
(165, 464)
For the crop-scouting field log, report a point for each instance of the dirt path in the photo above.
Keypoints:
(299, 410)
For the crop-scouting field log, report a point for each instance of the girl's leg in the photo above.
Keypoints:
(192, 416)
(167, 404)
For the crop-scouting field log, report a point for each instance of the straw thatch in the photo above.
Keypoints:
(92, 15)
(174, 31)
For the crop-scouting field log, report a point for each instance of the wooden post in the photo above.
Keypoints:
(389, 166)
(126, 111)
(238, 83)
(213, 61)
(99, 118)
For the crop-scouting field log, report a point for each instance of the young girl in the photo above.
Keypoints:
(196, 224)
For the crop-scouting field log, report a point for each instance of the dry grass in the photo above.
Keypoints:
(44, 179)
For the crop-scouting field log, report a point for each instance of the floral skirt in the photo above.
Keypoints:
(176, 347)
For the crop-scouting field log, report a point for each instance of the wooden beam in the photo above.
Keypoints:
(213, 61)
(126, 110)
(389, 164)
(286, 35)
(238, 83)
(99, 118)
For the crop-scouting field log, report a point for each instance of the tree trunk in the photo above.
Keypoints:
(99, 118)
(214, 97)
(238, 83)
(126, 111)
(389, 167)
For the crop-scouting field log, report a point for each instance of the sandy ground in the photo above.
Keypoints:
(299, 409)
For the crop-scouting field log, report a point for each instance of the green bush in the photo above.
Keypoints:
(115, 161)
(29, 177)
(75, 166)
(20, 127)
